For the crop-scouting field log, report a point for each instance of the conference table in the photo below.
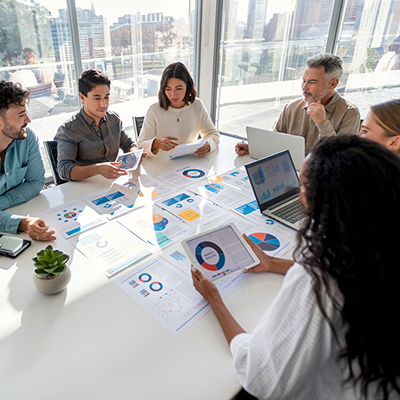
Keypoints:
(91, 341)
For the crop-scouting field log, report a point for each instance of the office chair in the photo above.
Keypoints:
(51, 151)
(137, 126)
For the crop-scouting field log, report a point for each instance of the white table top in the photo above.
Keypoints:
(92, 341)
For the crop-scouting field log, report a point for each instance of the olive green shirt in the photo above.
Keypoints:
(343, 117)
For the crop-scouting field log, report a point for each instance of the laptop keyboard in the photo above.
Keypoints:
(292, 212)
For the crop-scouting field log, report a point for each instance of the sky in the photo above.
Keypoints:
(174, 8)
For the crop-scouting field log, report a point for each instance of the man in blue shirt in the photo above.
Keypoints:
(22, 170)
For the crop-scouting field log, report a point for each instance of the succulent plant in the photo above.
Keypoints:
(50, 262)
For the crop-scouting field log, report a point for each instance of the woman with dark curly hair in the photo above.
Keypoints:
(178, 117)
(331, 332)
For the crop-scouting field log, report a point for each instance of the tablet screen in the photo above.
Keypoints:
(220, 252)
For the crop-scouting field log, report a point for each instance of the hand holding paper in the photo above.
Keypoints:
(187, 148)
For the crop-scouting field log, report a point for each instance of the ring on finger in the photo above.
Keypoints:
(38, 238)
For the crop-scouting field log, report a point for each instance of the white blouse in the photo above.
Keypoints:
(292, 353)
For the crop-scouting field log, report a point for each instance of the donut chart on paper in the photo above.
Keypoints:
(156, 286)
(193, 173)
(145, 278)
(265, 241)
(214, 254)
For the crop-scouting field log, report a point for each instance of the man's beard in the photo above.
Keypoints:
(14, 133)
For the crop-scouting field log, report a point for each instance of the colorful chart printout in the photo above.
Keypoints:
(184, 176)
(191, 208)
(155, 226)
(168, 294)
(72, 218)
(112, 202)
(111, 247)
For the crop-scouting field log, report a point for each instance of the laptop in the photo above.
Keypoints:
(276, 187)
(263, 142)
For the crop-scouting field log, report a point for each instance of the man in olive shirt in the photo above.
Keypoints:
(88, 143)
(322, 111)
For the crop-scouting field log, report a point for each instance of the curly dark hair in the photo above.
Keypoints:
(350, 239)
(179, 71)
(90, 79)
(11, 93)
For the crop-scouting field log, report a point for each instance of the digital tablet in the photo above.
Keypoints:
(130, 161)
(11, 246)
(220, 252)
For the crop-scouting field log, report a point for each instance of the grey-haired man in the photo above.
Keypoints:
(321, 111)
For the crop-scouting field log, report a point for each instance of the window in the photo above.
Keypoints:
(131, 41)
(369, 45)
(264, 46)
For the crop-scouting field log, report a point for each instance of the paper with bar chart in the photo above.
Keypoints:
(72, 218)
(221, 193)
(111, 202)
(191, 208)
(165, 293)
(111, 248)
(168, 294)
(235, 177)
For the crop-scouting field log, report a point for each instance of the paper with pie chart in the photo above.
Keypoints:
(220, 252)
(182, 177)
(111, 248)
(111, 202)
(274, 238)
(72, 218)
(191, 208)
(155, 226)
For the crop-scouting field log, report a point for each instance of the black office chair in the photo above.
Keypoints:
(51, 151)
(137, 126)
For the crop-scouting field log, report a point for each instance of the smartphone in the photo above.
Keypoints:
(11, 246)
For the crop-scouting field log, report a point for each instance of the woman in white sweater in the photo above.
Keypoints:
(178, 117)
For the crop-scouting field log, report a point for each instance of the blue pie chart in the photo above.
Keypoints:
(265, 241)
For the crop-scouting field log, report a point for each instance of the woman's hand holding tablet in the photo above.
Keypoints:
(220, 252)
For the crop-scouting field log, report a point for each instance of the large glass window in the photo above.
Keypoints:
(370, 48)
(264, 47)
(131, 41)
(265, 44)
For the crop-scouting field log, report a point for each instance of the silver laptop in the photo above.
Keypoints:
(263, 142)
(276, 187)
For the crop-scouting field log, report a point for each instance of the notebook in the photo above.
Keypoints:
(263, 142)
(276, 187)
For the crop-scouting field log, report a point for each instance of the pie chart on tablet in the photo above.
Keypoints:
(265, 241)
(210, 256)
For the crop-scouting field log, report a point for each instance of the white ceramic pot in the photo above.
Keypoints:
(52, 284)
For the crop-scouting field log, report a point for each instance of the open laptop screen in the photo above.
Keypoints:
(273, 178)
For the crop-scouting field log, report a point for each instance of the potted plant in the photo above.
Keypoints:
(52, 273)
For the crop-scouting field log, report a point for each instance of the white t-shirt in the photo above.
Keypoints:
(193, 119)
(292, 353)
